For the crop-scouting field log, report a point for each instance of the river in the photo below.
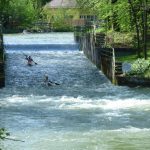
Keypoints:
(84, 112)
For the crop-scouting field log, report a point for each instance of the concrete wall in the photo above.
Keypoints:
(2, 65)
(105, 59)
(93, 47)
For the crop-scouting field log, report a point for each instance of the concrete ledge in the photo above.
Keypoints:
(132, 81)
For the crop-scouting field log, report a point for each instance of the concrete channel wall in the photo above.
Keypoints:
(2, 63)
(93, 47)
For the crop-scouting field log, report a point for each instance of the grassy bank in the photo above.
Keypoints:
(131, 58)
(139, 66)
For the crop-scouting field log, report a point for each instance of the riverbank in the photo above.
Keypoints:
(111, 60)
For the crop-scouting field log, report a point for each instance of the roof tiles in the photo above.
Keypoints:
(62, 4)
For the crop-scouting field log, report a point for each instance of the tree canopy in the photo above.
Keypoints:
(20, 12)
(123, 16)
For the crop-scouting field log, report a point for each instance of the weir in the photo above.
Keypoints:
(84, 106)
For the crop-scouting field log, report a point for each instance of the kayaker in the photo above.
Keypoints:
(30, 60)
(48, 82)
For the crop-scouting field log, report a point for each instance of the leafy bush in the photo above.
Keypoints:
(60, 19)
(140, 67)
(3, 133)
(118, 39)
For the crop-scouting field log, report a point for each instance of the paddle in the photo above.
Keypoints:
(56, 83)
(49, 82)
(34, 62)
(32, 59)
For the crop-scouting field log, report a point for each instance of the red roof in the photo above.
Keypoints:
(62, 4)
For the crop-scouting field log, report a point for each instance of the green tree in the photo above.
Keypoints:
(20, 13)
(123, 16)
(60, 19)
(4, 11)
(139, 14)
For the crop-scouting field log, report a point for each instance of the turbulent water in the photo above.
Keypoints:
(84, 112)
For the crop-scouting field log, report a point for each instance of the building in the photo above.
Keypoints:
(68, 12)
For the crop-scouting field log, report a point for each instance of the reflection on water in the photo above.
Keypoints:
(85, 112)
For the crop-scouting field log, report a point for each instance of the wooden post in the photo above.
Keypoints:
(113, 66)
(145, 29)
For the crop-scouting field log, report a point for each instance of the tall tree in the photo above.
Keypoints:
(4, 11)
(126, 15)
(20, 12)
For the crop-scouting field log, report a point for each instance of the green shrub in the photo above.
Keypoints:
(140, 68)
(3, 133)
(118, 39)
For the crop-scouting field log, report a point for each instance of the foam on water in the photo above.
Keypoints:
(94, 140)
(50, 38)
(80, 102)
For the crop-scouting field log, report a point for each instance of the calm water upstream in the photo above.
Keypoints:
(85, 112)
